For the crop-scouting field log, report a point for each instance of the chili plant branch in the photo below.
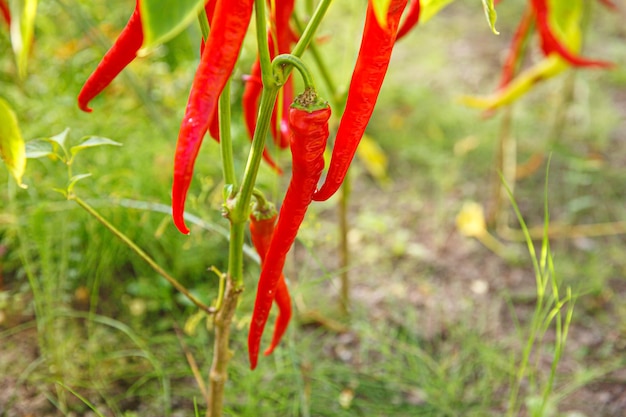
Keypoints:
(143, 255)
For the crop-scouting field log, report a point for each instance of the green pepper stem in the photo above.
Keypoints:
(311, 28)
(203, 19)
(226, 142)
(282, 62)
(262, 44)
(266, 105)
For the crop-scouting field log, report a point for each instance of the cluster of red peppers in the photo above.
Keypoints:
(302, 125)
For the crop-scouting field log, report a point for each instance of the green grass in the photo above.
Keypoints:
(88, 325)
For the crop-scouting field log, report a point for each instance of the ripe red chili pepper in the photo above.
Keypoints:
(410, 20)
(230, 24)
(261, 229)
(367, 79)
(515, 50)
(308, 122)
(280, 38)
(6, 13)
(123, 51)
(551, 44)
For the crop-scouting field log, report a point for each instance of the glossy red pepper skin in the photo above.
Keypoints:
(309, 133)
(230, 24)
(367, 79)
(6, 13)
(261, 230)
(122, 53)
(411, 19)
(550, 43)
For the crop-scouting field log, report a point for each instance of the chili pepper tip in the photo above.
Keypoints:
(179, 222)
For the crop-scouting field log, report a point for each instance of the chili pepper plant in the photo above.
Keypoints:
(283, 102)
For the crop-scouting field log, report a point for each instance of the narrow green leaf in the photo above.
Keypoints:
(164, 19)
(12, 149)
(92, 142)
(22, 30)
(490, 13)
(381, 9)
(38, 148)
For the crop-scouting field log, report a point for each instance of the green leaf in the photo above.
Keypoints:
(22, 30)
(92, 142)
(39, 148)
(12, 149)
(60, 139)
(490, 13)
(164, 19)
(72, 183)
(381, 8)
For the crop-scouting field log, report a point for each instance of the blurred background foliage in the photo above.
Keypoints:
(82, 317)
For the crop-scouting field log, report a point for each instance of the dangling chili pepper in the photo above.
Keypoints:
(367, 79)
(123, 51)
(281, 31)
(230, 24)
(411, 19)
(550, 44)
(262, 223)
(6, 13)
(515, 50)
(280, 37)
(308, 122)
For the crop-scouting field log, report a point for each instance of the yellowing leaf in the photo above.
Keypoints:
(491, 15)
(12, 148)
(429, 8)
(546, 68)
(471, 220)
(373, 158)
(22, 30)
(381, 8)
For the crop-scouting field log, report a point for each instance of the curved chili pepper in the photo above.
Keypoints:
(411, 19)
(550, 43)
(122, 53)
(261, 229)
(230, 24)
(6, 13)
(308, 122)
(367, 79)
(515, 50)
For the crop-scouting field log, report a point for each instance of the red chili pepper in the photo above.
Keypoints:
(550, 43)
(261, 230)
(230, 24)
(367, 79)
(6, 13)
(280, 38)
(515, 50)
(609, 4)
(308, 122)
(123, 51)
(411, 19)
